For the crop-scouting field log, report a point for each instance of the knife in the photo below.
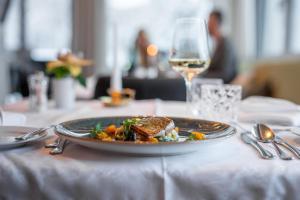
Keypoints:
(265, 154)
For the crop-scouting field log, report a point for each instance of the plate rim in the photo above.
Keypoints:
(22, 142)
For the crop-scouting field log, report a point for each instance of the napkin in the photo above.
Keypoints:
(12, 119)
(257, 109)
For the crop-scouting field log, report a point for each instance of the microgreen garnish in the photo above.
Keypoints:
(191, 137)
(128, 123)
(129, 135)
(98, 128)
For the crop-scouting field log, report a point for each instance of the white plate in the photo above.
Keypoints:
(7, 134)
(215, 136)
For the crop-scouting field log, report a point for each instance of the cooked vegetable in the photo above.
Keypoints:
(153, 140)
(102, 135)
(111, 129)
(196, 136)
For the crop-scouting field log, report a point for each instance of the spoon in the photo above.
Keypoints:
(265, 154)
(266, 135)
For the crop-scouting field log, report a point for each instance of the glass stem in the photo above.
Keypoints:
(188, 85)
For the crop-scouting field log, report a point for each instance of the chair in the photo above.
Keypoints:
(277, 78)
(162, 88)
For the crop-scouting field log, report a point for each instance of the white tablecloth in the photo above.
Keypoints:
(232, 170)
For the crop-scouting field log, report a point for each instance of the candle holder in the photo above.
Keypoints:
(118, 98)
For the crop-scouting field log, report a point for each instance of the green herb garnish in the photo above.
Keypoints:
(128, 123)
(98, 128)
(129, 135)
(191, 137)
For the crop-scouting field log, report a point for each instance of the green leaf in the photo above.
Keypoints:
(191, 137)
(59, 72)
(81, 80)
(98, 128)
(128, 123)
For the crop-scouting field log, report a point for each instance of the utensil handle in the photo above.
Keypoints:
(31, 134)
(54, 144)
(265, 154)
(281, 153)
(290, 147)
(60, 147)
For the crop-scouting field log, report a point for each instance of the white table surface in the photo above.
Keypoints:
(233, 170)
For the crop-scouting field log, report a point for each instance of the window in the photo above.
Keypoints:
(48, 27)
(11, 27)
(274, 29)
(48, 24)
(155, 16)
(295, 28)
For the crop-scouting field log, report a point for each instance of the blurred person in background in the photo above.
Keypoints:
(224, 62)
(143, 58)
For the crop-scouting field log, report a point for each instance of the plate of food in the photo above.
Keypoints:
(145, 135)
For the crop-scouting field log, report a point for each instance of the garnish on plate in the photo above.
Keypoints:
(196, 136)
(96, 130)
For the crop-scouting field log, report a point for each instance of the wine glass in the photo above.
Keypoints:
(189, 54)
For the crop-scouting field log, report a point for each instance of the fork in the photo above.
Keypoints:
(33, 133)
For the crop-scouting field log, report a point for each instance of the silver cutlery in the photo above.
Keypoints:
(27, 136)
(295, 130)
(61, 129)
(266, 135)
(290, 147)
(54, 144)
(265, 154)
(60, 147)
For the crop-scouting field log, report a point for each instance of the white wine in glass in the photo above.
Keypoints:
(189, 54)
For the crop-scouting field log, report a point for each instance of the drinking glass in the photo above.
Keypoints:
(221, 102)
(189, 54)
(197, 104)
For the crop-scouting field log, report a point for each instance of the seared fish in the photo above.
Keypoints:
(153, 126)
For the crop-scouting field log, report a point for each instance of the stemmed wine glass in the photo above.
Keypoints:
(189, 53)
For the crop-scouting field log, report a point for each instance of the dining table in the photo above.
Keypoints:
(229, 170)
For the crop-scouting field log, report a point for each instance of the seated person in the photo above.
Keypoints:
(143, 64)
(223, 61)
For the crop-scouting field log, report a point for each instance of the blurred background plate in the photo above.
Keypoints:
(8, 133)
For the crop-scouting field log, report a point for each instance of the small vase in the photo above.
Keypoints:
(64, 93)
